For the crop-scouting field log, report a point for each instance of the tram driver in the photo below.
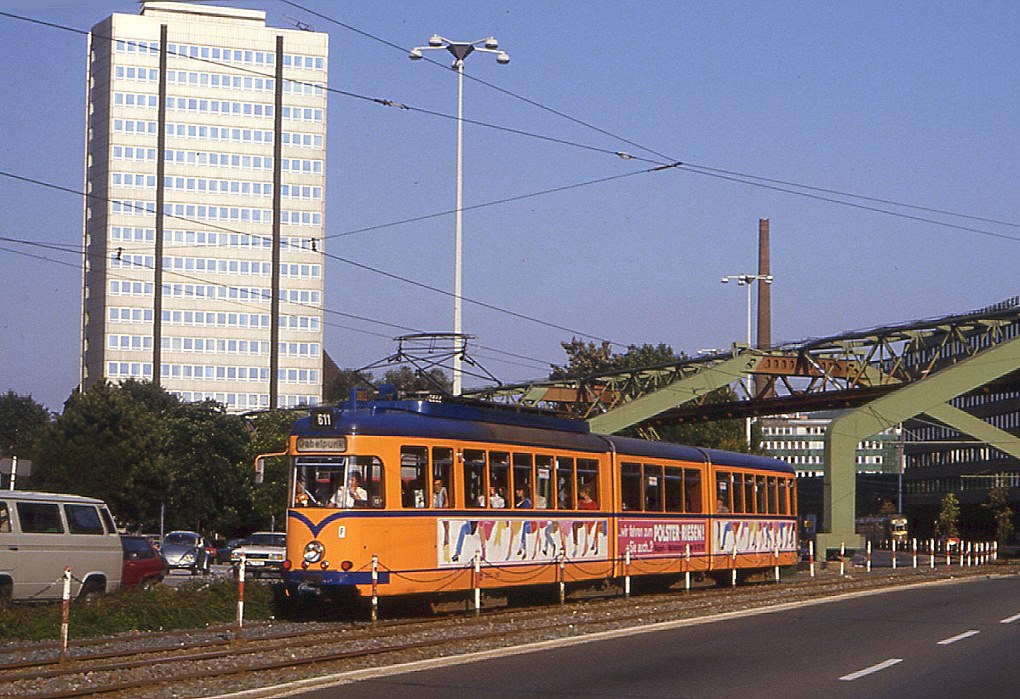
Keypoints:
(353, 495)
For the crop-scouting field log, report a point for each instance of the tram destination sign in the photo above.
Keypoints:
(321, 444)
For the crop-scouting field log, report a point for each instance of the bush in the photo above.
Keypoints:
(193, 605)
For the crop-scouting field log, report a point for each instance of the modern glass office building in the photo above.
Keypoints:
(204, 214)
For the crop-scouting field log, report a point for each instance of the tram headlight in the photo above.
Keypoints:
(314, 551)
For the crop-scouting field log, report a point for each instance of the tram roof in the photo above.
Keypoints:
(436, 420)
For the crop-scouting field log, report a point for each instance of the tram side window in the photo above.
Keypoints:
(630, 486)
(653, 488)
(524, 481)
(692, 490)
(442, 466)
(723, 500)
(738, 493)
(371, 481)
(474, 477)
(784, 496)
(793, 496)
(499, 479)
(748, 493)
(773, 496)
(759, 491)
(564, 483)
(674, 489)
(544, 481)
(588, 478)
(414, 471)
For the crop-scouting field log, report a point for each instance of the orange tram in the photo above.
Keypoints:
(432, 498)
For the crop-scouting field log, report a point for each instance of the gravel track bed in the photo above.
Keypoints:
(440, 637)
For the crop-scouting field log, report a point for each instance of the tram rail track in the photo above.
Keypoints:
(290, 654)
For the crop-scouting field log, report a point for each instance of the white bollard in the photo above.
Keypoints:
(913, 549)
(478, 582)
(687, 574)
(867, 556)
(842, 558)
(626, 574)
(811, 557)
(931, 551)
(562, 572)
(777, 561)
(733, 576)
(894, 554)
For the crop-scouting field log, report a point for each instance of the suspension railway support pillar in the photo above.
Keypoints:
(928, 396)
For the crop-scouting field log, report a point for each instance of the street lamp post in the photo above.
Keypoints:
(747, 280)
(460, 50)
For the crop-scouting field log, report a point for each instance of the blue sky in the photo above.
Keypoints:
(912, 102)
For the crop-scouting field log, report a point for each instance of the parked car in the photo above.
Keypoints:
(223, 552)
(185, 550)
(263, 554)
(144, 567)
(41, 533)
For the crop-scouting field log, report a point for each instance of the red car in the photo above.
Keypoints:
(143, 564)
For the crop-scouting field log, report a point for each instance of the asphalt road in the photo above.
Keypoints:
(951, 640)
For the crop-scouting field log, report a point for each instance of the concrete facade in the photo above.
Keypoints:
(206, 315)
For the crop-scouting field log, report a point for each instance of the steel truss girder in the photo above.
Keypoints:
(841, 367)
(928, 396)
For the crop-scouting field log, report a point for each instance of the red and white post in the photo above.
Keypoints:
(65, 613)
(375, 588)
(241, 565)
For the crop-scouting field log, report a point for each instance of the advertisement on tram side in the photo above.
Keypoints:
(517, 540)
(754, 535)
(648, 537)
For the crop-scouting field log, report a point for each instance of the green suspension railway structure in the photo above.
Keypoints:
(880, 377)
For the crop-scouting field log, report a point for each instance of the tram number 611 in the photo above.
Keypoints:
(323, 418)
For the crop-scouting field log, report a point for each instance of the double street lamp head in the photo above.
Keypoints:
(461, 49)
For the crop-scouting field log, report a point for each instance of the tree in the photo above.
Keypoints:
(140, 449)
(339, 390)
(586, 359)
(206, 451)
(409, 382)
(948, 523)
(22, 420)
(106, 445)
(998, 503)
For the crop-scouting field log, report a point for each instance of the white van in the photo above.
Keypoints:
(41, 533)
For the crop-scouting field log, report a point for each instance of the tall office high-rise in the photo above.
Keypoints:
(204, 214)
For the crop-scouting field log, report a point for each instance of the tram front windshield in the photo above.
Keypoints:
(332, 481)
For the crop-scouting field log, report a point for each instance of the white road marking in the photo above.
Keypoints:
(1010, 619)
(958, 637)
(868, 670)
